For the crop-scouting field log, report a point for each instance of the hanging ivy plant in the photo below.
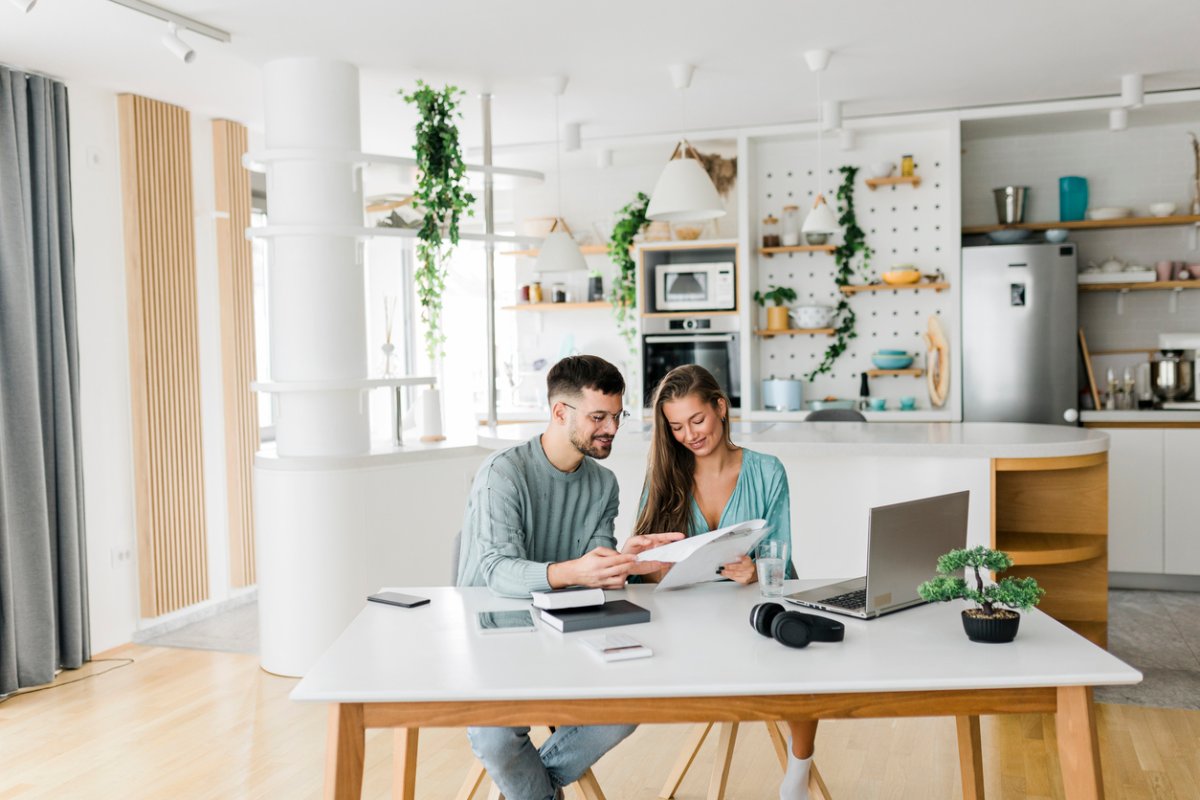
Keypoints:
(443, 198)
(854, 246)
(624, 287)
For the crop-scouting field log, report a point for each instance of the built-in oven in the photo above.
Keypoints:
(703, 286)
(711, 342)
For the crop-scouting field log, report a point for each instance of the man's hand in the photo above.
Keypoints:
(742, 571)
(647, 541)
(603, 567)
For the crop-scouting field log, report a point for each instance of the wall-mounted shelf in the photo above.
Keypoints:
(799, 248)
(939, 286)
(558, 306)
(874, 183)
(798, 331)
(1091, 224)
(1036, 549)
(586, 249)
(916, 372)
(1147, 286)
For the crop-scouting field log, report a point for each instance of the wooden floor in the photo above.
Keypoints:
(199, 724)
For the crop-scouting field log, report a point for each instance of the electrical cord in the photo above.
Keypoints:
(125, 662)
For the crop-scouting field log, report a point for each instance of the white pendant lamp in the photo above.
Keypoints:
(820, 219)
(559, 251)
(684, 191)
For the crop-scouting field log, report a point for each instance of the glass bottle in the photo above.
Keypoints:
(535, 292)
(906, 166)
(790, 236)
(558, 293)
(770, 231)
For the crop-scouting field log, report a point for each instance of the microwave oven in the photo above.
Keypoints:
(694, 287)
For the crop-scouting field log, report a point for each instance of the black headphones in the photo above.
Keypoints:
(794, 628)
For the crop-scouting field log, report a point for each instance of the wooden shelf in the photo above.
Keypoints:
(939, 286)
(799, 248)
(873, 183)
(800, 331)
(586, 249)
(1090, 224)
(916, 372)
(1037, 549)
(557, 306)
(1144, 286)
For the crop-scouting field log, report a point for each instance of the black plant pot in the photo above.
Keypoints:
(996, 630)
(595, 288)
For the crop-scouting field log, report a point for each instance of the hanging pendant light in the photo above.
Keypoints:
(821, 218)
(559, 251)
(684, 191)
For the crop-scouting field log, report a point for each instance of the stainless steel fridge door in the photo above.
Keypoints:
(1019, 329)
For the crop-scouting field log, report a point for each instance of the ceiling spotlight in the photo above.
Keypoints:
(1118, 119)
(831, 115)
(847, 139)
(571, 134)
(178, 47)
(25, 5)
(1133, 90)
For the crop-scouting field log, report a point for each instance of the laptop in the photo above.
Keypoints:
(904, 541)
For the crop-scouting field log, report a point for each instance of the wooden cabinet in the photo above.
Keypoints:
(1135, 500)
(1181, 509)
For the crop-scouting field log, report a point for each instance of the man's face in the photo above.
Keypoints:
(592, 422)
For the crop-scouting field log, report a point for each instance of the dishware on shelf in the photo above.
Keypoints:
(1111, 264)
(686, 232)
(882, 169)
(908, 403)
(1056, 235)
(1163, 270)
(1108, 212)
(1162, 209)
(890, 361)
(1137, 276)
(884, 352)
(815, 239)
(781, 394)
(1171, 375)
(817, 405)
(809, 317)
(1010, 204)
(879, 404)
(902, 275)
(1009, 236)
(1072, 198)
(790, 231)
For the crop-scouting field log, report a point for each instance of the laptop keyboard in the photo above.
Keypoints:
(849, 600)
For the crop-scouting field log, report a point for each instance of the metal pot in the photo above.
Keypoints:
(1010, 204)
(1171, 376)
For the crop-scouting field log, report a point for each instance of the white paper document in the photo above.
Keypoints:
(697, 558)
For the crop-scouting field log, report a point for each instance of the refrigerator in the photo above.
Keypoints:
(1019, 333)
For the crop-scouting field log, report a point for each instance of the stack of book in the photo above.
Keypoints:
(582, 609)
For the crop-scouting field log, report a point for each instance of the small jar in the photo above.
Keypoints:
(558, 293)
(535, 292)
(524, 293)
(906, 166)
(770, 231)
(792, 223)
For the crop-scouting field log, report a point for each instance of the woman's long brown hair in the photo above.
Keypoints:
(670, 471)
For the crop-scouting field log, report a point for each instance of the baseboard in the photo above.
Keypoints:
(157, 626)
(1154, 581)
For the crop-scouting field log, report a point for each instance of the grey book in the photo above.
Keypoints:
(609, 615)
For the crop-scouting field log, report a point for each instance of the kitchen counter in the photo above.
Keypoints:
(1153, 418)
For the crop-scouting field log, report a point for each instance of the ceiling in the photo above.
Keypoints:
(889, 57)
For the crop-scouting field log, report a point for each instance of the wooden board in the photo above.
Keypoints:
(1087, 364)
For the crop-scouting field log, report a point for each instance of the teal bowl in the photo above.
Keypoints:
(891, 361)
(893, 352)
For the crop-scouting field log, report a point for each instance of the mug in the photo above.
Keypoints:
(878, 404)
(1072, 198)
(908, 403)
(1162, 270)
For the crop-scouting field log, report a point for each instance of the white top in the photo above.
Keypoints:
(703, 646)
(1156, 416)
(942, 439)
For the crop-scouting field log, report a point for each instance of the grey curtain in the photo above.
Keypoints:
(43, 579)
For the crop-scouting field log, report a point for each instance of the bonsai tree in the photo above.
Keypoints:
(779, 295)
(1011, 593)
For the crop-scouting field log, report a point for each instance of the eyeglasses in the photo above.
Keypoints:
(600, 417)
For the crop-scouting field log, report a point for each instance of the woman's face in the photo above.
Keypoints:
(696, 424)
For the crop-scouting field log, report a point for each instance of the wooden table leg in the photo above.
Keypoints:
(345, 745)
(817, 789)
(686, 756)
(779, 742)
(720, 773)
(404, 763)
(474, 779)
(970, 757)
(1078, 745)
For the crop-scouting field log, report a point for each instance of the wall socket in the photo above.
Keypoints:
(120, 555)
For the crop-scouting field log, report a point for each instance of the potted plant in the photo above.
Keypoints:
(996, 619)
(630, 221)
(777, 315)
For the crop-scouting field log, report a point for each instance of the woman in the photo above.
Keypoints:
(698, 480)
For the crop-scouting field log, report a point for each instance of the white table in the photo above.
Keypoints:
(429, 667)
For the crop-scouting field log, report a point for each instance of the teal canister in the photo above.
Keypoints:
(1072, 198)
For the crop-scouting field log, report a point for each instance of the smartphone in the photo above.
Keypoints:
(505, 621)
(397, 599)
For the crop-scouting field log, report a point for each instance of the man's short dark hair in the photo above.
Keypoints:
(575, 373)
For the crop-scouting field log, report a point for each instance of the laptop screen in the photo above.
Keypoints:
(904, 542)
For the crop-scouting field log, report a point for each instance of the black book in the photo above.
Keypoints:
(609, 615)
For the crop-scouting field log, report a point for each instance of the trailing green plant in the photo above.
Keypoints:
(441, 195)
(854, 246)
(1012, 593)
(779, 295)
(620, 249)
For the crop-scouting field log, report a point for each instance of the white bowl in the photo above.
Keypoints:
(1108, 212)
(1056, 235)
(810, 317)
(1162, 209)
(882, 169)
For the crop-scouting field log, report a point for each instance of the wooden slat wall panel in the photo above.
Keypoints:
(160, 256)
(236, 270)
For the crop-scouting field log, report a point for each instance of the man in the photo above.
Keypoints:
(540, 516)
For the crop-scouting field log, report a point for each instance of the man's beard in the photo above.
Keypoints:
(598, 446)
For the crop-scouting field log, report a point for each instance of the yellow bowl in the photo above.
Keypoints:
(900, 277)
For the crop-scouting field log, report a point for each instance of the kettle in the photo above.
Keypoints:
(1171, 376)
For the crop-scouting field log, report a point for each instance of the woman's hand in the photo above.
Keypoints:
(743, 571)
(648, 541)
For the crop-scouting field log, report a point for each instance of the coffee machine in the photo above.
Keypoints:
(1173, 370)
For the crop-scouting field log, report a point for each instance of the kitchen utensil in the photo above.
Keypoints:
(1141, 383)
(882, 169)
(937, 363)
(878, 404)
(1072, 198)
(810, 317)
(908, 403)
(782, 395)
(1171, 375)
(817, 405)
(1010, 204)
(902, 275)
(686, 232)
(882, 361)
(1112, 264)
(892, 352)
(1162, 209)
(1011, 236)
(1056, 235)
(1162, 270)
(1109, 212)
(816, 238)
(1087, 365)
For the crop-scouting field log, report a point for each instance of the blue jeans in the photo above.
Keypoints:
(523, 773)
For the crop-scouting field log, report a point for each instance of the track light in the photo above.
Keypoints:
(178, 47)
(1133, 90)
(847, 139)
(1118, 119)
(25, 5)
(831, 115)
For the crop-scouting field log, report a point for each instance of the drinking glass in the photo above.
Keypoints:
(771, 558)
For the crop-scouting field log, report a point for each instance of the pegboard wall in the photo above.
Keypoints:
(903, 224)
